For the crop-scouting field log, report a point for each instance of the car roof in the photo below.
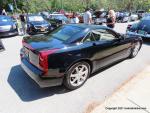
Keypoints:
(92, 27)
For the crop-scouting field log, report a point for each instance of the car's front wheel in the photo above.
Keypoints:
(135, 49)
(77, 75)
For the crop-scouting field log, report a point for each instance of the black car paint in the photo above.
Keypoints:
(97, 53)
(31, 26)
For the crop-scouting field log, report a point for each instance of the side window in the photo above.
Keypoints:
(96, 35)
(102, 34)
(89, 38)
(108, 36)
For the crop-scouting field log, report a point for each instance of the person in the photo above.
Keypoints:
(20, 29)
(111, 19)
(4, 12)
(74, 19)
(23, 22)
(87, 17)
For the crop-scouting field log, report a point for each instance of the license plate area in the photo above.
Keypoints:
(33, 58)
(42, 29)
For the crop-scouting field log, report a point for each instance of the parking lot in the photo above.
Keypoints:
(19, 94)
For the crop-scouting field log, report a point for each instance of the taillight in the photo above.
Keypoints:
(43, 59)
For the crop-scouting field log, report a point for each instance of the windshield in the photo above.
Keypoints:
(5, 19)
(35, 18)
(60, 17)
(65, 33)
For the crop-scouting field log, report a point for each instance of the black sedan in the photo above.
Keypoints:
(37, 25)
(72, 52)
(58, 19)
(141, 28)
(7, 27)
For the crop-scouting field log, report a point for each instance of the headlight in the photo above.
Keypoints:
(14, 26)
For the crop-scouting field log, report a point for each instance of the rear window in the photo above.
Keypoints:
(64, 33)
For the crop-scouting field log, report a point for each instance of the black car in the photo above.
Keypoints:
(142, 28)
(7, 27)
(140, 13)
(72, 52)
(37, 25)
(57, 20)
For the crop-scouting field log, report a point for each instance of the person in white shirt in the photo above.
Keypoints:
(74, 19)
(87, 17)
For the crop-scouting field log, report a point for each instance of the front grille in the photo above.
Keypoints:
(38, 27)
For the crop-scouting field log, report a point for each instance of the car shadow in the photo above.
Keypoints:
(2, 48)
(27, 89)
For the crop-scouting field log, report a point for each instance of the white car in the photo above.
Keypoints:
(134, 17)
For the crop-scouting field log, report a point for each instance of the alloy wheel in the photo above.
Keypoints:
(136, 48)
(78, 75)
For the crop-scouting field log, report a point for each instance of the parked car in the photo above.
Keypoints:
(7, 27)
(122, 16)
(140, 13)
(72, 52)
(99, 17)
(57, 20)
(133, 17)
(36, 24)
(45, 14)
(142, 28)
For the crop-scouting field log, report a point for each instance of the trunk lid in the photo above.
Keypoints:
(42, 42)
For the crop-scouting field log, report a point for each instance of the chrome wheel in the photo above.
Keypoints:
(136, 49)
(79, 75)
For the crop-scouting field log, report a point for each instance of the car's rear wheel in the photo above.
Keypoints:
(77, 75)
(135, 49)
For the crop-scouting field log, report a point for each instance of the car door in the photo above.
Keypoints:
(108, 48)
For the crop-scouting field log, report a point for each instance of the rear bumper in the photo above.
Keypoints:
(36, 74)
(8, 34)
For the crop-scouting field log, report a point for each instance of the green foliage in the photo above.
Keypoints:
(76, 5)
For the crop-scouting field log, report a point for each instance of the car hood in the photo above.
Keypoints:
(43, 42)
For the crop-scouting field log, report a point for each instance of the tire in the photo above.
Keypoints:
(77, 75)
(135, 49)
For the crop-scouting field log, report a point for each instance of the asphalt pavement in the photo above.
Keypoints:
(19, 94)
